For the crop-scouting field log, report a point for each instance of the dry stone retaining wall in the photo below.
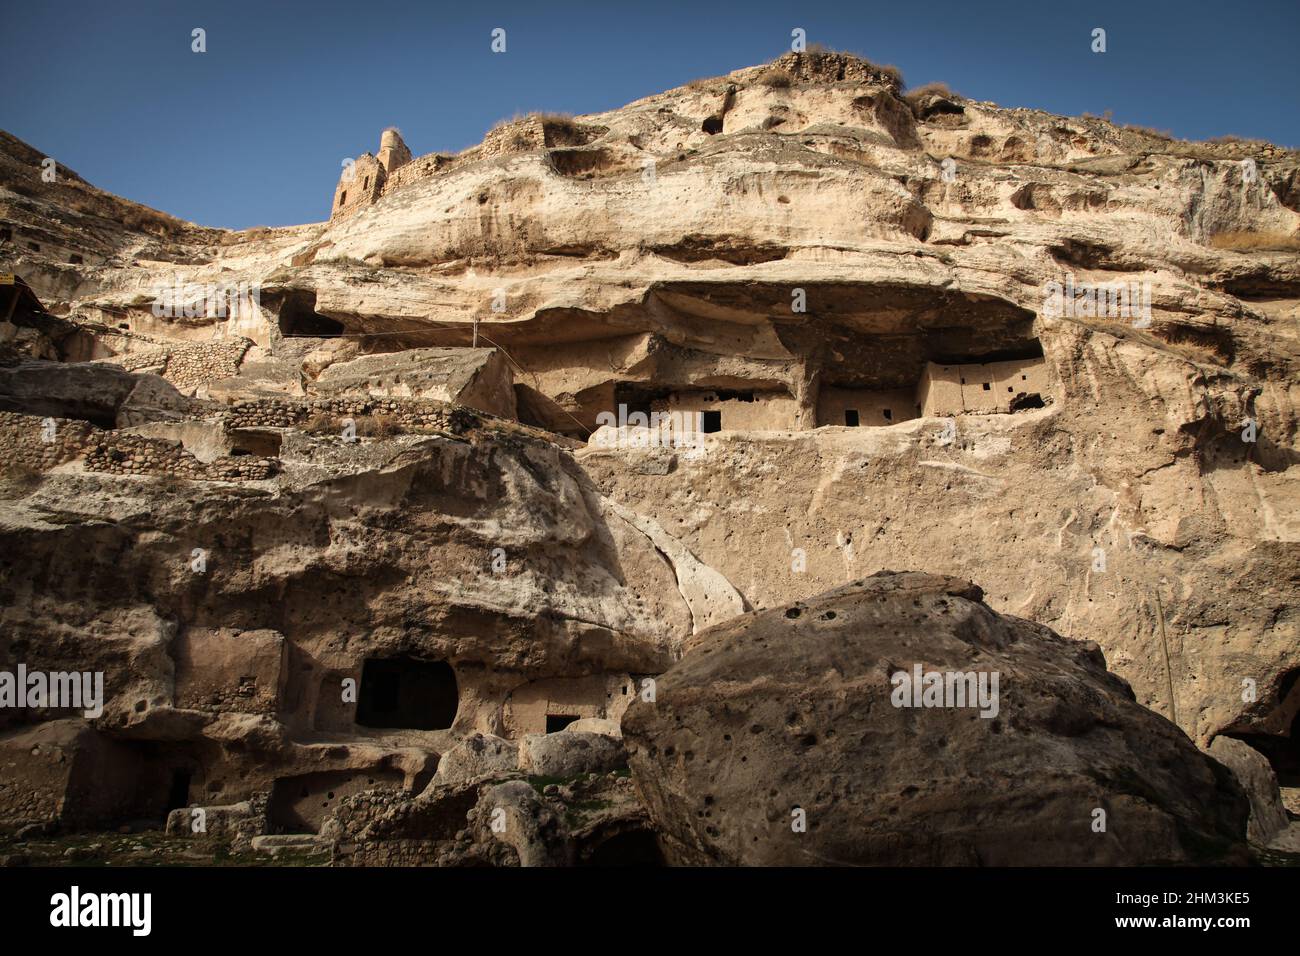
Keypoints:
(116, 453)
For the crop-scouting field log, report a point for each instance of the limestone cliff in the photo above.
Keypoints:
(892, 330)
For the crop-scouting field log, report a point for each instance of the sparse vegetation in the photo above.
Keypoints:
(819, 50)
(1148, 131)
(319, 424)
(561, 121)
(707, 84)
(776, 78)
(378, 426)
(938, 89)
(914, 97)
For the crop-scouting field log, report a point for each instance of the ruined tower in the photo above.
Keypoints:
(362, 180)
(392, 151)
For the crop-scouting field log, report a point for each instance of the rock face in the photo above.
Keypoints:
(824, 761)
(356, 511)
(1267, 815)
(93, 392)
(570, 753)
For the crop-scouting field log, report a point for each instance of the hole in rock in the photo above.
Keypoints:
(633, 848)
(557, 722)
(405, 693)
(1023, 401)
(179, 793)
(298, 317)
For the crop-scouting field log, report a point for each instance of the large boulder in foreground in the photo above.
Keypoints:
(788, 717)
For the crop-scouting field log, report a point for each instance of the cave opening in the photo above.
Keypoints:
(1281, 747)
(630, 848)
(178, 794)
(403, 693)
(298, 317)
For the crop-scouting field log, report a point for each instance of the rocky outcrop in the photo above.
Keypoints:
(485, 454)
(94, 392)
(1268, 817)
(569, 754)
(1014, 747)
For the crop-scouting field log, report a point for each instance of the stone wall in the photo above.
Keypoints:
(22, 442)
(187, 366)
(64, 773)
(767, 411)
(600, 695)
(521, 136)
(987, 388)
(417, 415)
(229, 671)
(874, 408)
(360, 189)
(118, 453)
(418, 169)
(371, 181)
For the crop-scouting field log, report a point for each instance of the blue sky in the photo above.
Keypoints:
(253, 131)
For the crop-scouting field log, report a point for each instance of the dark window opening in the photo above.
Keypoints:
(34, 246)
(179, 794)
(986, 386)
(404, 693)
(6, 234)
(713, 125)
(75, 259)
(889, 415)
(343, 197)
(712, 422)
(250, 441)
(367, 185)
(557, 722)
(851, 417)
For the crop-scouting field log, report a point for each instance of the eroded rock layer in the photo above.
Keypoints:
(485, 452)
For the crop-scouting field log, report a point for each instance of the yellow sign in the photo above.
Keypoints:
(6, 278)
